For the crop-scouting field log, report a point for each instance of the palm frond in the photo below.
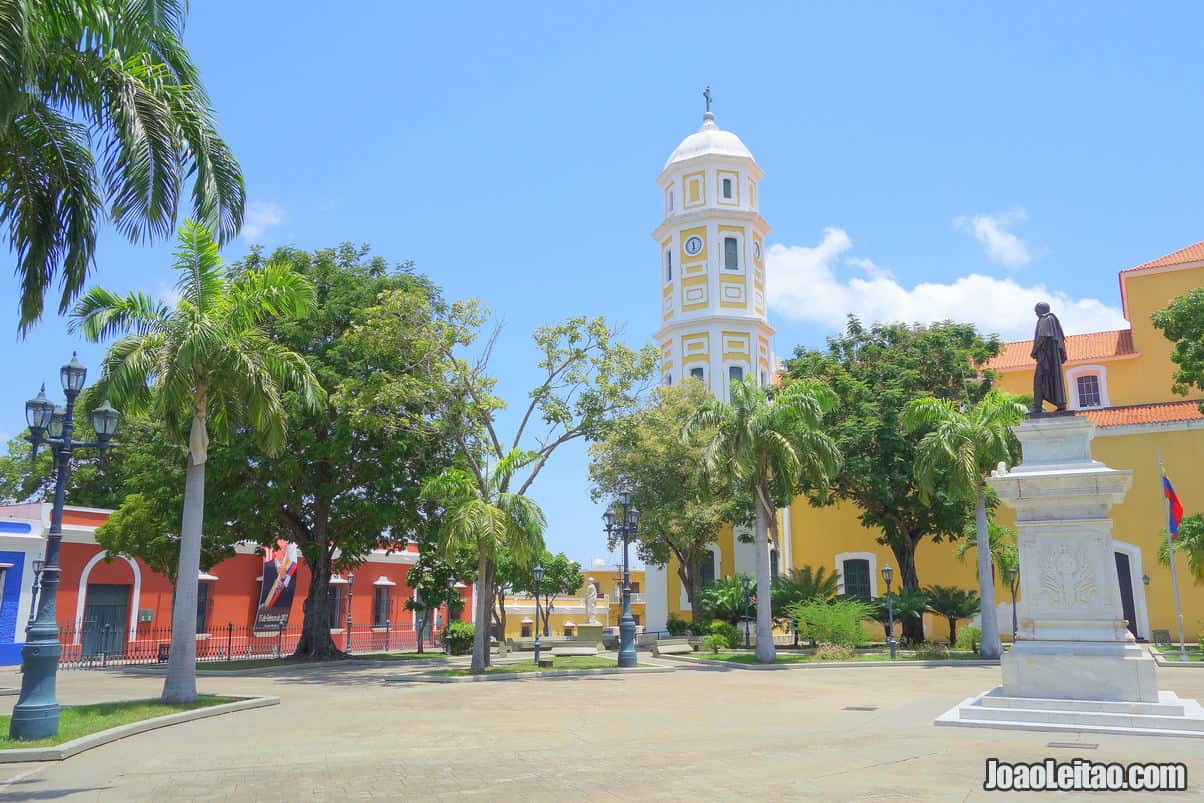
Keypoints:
(100, 314)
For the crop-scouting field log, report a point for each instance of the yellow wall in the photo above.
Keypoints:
(608, 611)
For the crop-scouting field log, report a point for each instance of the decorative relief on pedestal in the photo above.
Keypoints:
(1066, 578)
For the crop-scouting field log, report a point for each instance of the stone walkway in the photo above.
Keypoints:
(341, 733)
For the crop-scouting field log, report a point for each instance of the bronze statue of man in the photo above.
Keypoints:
(1049, 350)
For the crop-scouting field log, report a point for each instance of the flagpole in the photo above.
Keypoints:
(1170, 554)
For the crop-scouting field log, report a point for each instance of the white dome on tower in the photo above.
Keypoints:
(709, 140)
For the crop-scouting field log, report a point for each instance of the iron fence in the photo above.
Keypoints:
(97, 646)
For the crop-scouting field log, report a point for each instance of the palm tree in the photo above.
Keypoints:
(1005, 556)
(960, 448)
(480, 515)
(114, 75)
(1190, 542)
(953, 604)
(801, 585)
(906, 605)
(724, 599)
(203, 368)
(766, 443)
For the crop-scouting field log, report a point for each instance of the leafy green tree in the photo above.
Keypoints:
(588, 378)
(1005, 556)
(875, 371)
(490, 520)
(205, 367)
(1190, 542)
(960, 447)
(435, 578)
(953, 604)
(560, 576)
(682, 508)
(767, 443)
(107, 77)
(1182, 322)
(347, 478)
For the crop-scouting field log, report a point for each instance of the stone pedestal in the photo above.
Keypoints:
(590, 634)
(1074, 665)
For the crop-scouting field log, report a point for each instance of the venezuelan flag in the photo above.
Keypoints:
(1176, 506)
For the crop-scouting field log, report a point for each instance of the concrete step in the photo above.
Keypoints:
(1071, 717)
(1170, 709)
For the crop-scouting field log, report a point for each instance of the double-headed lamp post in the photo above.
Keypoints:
(36, 714)
(887, 575)
(538, 572)
(624, 525)
(746, 587)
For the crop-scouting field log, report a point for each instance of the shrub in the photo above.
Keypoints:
(953, 604)
(729, 631)
(836, 622)
(716, 642)
(968, 638)
(458, 636)
(677, 627)
(834, 652)
(932, 651)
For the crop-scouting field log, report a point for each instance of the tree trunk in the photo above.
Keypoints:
(689, 581)
(991, 647)
(905, 554)
(484, 603)
(180, 684)
(315, 642)
(766, 654)
(952, 630)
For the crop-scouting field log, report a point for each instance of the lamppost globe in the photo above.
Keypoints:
(887, 574)
(38, 412)
(538, 572)
(73, 375)
(609, 518)
(104, 421)
(633, 519)
(55, 430)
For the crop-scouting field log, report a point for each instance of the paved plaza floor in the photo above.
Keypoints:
(342, 733)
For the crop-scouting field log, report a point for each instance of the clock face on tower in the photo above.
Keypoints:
(693, 245)
(756, 250)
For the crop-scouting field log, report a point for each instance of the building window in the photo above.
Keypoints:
(667, 380)
(202, 607)
(1088, 387)
(668, 266)
(698, 373)
(670, 200)
(526, 631)
(635, 588)
(636, 618)
(380, 606)
(706, 573)
(735, 373)
(727, 188)
(764, 379)
(334, 605)
(856, 575)
(731, 253)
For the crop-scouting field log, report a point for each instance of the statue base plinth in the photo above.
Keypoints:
(1080, 670)
(1075, 666)
(590, 634)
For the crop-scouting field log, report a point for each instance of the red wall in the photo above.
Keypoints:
(234, 595)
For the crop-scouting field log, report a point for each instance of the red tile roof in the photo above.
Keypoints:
(1184, 256)
(1164, 413)
(1079, 348)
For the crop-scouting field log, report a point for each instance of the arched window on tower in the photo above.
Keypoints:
(668, 266)
(727, 188)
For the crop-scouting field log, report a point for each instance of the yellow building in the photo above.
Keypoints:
(569, 611)
(1120, 380)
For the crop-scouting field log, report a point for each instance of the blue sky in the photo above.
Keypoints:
(926, 161)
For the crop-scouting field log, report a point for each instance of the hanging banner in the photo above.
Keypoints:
(278, 587)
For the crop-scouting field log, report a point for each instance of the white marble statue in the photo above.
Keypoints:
(591, 603)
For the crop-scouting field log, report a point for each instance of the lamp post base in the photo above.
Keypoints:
(627, 657)
(36, 714)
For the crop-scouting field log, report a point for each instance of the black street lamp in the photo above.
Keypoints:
(38, 563)
(625, 525)
(887, 575)
(538, 572)
(36, 714)
(746, 584)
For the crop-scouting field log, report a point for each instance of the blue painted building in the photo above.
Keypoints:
(20, 545)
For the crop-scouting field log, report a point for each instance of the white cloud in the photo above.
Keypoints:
(1001, 245)
(261, 216)
(805, 285)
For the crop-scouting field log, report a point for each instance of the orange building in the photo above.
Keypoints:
(117, 606)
